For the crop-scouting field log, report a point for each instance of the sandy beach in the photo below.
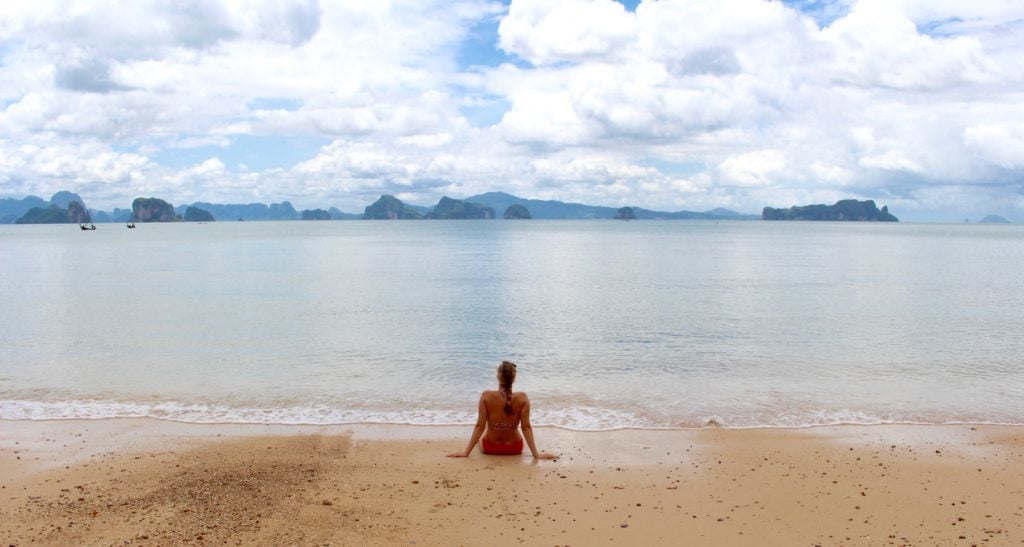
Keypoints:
(151, 482)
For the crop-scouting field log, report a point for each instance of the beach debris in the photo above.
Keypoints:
(327, 502)
(624, 525)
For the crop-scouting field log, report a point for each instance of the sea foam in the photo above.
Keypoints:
(574, 418)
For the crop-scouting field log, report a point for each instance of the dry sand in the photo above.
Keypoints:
(149, 482)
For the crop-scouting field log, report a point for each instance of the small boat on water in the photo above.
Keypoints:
(130, 225)
(89, 227)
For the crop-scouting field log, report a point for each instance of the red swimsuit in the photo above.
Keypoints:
(498, 449)
(502, 449)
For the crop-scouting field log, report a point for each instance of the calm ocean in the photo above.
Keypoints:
(613, 324)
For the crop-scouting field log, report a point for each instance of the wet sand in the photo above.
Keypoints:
(150, 482)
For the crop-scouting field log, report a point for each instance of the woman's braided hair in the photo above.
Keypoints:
(506, 376)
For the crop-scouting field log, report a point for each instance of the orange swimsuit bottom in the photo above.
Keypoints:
(498, 449)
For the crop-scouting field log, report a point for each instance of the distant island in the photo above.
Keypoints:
(994, 219)
(481, 206)
(625, 213)
(153, 210)
(516, 212)
(457, 209)
(315, 214)
(559, 210)
(65, 207)
(484, 206)
(54, 214)
(248, 211)
(843, 210)
(195, 214)
(389, 207)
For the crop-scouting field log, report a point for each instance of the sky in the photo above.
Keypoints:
(663, 104)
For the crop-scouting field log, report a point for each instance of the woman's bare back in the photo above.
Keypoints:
(502, 427)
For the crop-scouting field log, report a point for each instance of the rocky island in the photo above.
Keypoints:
(516, 212)
(195, 214)
(54, 214)
(389, 207)
(843, 210)
(457, 209)
(315, 214)
(64, 208)
(153, 210)
(994, 219)
(625, 213)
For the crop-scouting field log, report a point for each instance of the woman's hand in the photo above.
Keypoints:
(458, 455)
(546, 456)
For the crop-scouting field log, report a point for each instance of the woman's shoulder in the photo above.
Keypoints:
(492, 393)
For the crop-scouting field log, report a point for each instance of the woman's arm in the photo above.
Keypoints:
(478, 429)
(528, 434)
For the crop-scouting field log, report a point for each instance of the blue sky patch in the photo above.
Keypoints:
(673, 168)
(123, 149)
(939, 27)
(256, 152)
(824, 12)
(630, 4)
(480, 48)
(275, 103)
(487, 114)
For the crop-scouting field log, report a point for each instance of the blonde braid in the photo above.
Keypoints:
(507, 376)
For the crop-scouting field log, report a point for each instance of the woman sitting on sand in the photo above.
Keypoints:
(500, 414)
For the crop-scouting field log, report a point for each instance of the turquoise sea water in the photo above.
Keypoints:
(613, 324)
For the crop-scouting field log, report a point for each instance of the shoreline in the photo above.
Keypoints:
(418, 431)
(711, 424)
(144, 480)
(100, 437)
